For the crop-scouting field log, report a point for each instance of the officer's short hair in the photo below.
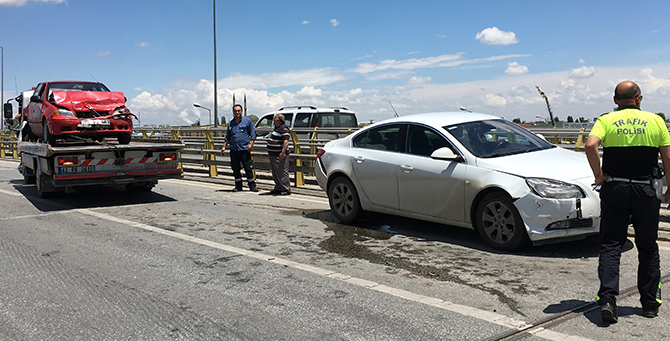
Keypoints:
(628, 92)
(237, 105)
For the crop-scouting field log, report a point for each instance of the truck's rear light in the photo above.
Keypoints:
(167, 157)
(68, 160)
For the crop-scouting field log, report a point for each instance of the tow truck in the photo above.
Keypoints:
(88, 162)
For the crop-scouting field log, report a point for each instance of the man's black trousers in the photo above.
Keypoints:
(623, 203)
(242, 157)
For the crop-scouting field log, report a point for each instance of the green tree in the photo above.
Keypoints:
(570, 119)
(662, 115)
(516, 120)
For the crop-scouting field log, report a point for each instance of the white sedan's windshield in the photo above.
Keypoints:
(495, 138)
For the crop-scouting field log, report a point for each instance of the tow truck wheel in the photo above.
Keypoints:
(40, 180)
(124, 138)
(28, 178)
(140, 187)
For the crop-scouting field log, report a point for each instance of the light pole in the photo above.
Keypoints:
(465, 109)
(201, 107)
(216, 95)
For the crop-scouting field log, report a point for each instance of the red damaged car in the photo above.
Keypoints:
(78, 110)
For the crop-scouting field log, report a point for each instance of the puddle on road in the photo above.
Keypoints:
(348, 241)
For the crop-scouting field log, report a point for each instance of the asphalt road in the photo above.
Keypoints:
(195, 261)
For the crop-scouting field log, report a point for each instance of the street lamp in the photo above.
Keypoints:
(216, 94)
(201, 107)
(465, 109)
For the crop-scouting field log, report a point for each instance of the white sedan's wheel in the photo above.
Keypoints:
(344, 201)
(499, 223)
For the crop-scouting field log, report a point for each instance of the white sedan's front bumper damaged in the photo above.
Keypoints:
(557, 218)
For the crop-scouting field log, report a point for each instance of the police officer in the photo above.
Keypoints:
(631, 141)
(241, 136)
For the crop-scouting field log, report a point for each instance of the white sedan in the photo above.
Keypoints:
(463, 169)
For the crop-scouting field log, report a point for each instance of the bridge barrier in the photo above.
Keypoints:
(203, 145)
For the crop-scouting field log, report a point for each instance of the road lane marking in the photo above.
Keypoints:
(13, 193)
(293, 196)
(488, 316)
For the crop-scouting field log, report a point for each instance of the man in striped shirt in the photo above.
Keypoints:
(278, 152)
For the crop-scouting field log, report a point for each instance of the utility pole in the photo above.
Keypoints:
(546, 99)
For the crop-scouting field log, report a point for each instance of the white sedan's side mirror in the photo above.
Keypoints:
(445, 153)
(541, 136)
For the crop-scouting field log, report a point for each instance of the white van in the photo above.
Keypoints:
(311, 117)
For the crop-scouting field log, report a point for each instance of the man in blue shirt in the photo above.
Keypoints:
(241, 136)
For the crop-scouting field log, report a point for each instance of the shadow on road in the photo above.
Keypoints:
(88, 197)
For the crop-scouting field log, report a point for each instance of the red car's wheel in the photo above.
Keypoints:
(46, 136)
(124, 138)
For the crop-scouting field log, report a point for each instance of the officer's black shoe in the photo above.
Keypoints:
(237, 188)
(649, 312)
(608, 313)
(253, 188)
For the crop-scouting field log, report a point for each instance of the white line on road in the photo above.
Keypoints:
(431, 301)
(13, 193)
(211, 185)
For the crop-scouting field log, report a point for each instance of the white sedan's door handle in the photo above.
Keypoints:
(407, 168)
(359, 159)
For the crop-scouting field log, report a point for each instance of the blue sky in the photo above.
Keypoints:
(422, 56)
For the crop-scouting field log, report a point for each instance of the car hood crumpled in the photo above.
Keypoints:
(99, 100)
(555, 163)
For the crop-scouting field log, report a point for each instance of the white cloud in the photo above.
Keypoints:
(447, 60)
(418, 81)
(494, 36)
(142, 44)
(363, 57)
(17, 3)
(389, 75)
(305, 22)
(650, 84)
(495, 100)
(581, 61)
(310, 77)
(309, 91)
(582, 72)
(334, 22)
(103, 53)
(516, 69)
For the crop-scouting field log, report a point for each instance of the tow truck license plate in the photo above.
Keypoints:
(90, 123)
(76, 169)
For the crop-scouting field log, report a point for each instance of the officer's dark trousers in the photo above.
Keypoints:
(622, 202)
(242, 157)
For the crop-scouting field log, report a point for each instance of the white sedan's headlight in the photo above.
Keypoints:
(554, 189)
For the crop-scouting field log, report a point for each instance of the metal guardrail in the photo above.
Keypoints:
(203, 145)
